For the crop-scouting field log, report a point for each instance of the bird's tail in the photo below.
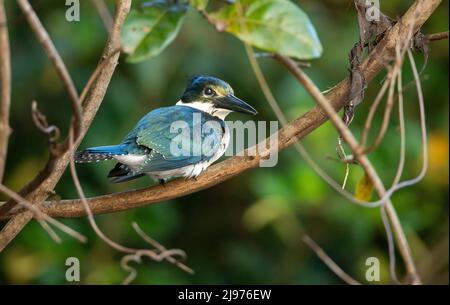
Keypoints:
(100, 153)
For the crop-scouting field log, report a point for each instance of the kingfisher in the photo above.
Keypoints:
(153, 147)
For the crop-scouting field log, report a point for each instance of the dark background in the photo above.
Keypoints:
(246, 230)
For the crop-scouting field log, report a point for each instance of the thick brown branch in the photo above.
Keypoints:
(50, 175)
(5, 88)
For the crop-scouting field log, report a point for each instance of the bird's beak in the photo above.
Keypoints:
(233, 103)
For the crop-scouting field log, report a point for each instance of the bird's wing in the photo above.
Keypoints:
(170, 133)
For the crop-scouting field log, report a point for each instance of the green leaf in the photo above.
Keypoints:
(273, 25)
(199, 4)
(364, 188)
(146, 34)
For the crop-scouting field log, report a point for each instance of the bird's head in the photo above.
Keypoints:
(214, 96)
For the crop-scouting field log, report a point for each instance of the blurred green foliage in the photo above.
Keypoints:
(248, 229)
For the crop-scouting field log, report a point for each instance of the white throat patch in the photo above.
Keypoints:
(208, 108)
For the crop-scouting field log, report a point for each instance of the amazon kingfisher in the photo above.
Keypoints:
(152, 147)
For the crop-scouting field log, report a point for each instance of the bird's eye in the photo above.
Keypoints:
(209, 92)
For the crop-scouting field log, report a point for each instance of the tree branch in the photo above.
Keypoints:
(437, 36)
(43, 218)
(416, 15)
(5, 88)
(363, 161)
(46, 180)
(400, 27)
(299, 128)
(329, 261)
(55, 58)
(103, 12)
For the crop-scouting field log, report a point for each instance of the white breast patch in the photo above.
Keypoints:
(134, 162)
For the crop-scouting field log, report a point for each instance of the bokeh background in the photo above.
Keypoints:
(246, 230)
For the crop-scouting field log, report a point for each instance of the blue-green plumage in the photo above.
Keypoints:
(156, 145)
(153, 136)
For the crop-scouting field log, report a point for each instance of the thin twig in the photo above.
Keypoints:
(401, 119)
(103, 12)
(437, 36)
(5, 89)
(423, 128)
(42, 217)
(343, 157)
(374, 107)
(328, 261)
(364, 162)
(137, 257)
(391, 245)
(50, 49)
(161, 248)
(95, 74)
(400, 51)
(398, 175)
(37, 216)
(386, 116)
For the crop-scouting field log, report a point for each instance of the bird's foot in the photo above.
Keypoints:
(162, 182)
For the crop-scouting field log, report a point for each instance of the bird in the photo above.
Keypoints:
(152, 147)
